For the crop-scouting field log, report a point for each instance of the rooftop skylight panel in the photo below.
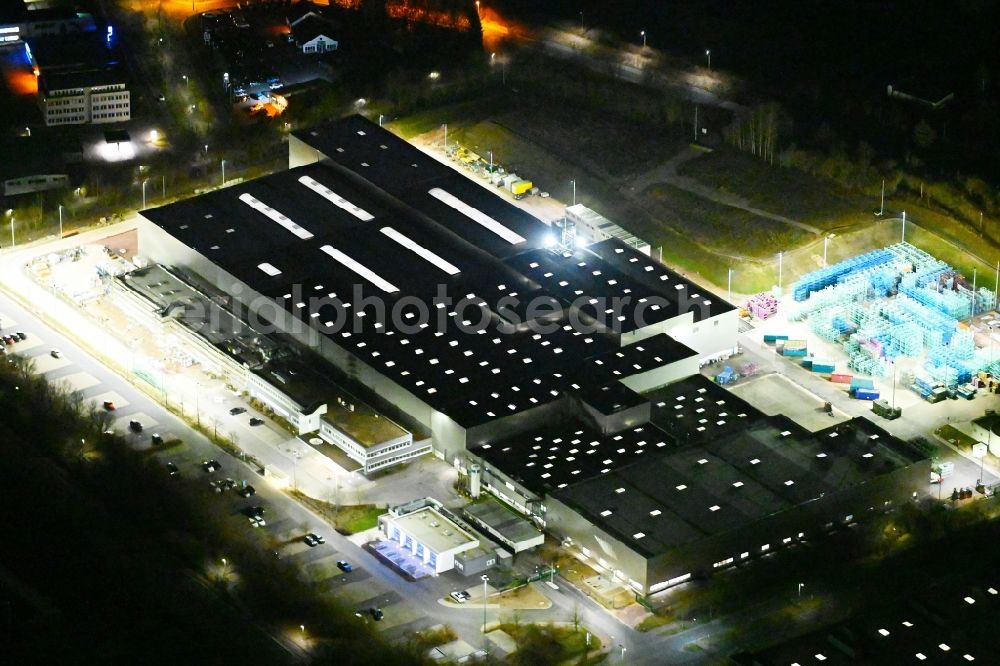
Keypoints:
(476, 215)
(275, 216)
(336, 199)
(420, 250)
(360, 269)
(269, 269)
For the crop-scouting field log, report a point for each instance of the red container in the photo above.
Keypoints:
(841, 379)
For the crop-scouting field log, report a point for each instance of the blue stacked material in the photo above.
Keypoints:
(947, 302)
(923, 385)
(929, 318)
(843, 327)
(944, 365)
(825, 277)
(883, 282)
(862, 382)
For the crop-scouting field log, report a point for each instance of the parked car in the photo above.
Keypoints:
(134, 426)
(22, 335)
(461, 596)
(211, 466)
(345, 566)
(109, 405)
(254, 421)
(310, 541)
(376, 614)
(236, 411)
(157, 439)
(254, 511)
(55, 353)
(247, 491)
(172, 468)
(257, 521)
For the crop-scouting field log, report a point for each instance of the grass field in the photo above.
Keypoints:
(717, 227)
(782, 190)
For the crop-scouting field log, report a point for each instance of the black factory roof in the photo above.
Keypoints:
(427, 186)
(719, 485)
(360, 257)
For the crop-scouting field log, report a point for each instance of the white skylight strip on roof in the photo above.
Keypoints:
(269, 269)
(360, 269)
(275, 215)
(415, 247)
(476, 215)
(337, 200)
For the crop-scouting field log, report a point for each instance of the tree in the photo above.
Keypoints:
(924, 135)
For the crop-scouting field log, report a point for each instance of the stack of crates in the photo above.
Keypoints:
(825, 277)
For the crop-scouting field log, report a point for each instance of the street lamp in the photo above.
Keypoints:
(486, 579)
(708, 54)
(12, 244)
(801, 585)
(60, 221)
(144, 181)
(187, 82)
(826, 240)
(904, 227)
(642, 33)
(573, 182)
(223, 173)
(730, 285)
(781, 256)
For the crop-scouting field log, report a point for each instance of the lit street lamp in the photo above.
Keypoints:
(573, 182)
(144, 181)
(187, 82)
(642, 33)
(781, 256)
(223, 173)
(60, 221)
(708, 54)
(826, 240)
(801, 585)
(486, 579)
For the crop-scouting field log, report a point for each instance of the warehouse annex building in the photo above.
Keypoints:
(375, 214)
(706, 483)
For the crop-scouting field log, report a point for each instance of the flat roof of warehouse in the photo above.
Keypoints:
(349, 259)
(421, 182)
(944, 622)
(555, 457)
(697, 408)
(723, 484)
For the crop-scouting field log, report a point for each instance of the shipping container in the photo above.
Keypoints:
(770, 338)
(841, 378)
(866, 394)
(860, 382)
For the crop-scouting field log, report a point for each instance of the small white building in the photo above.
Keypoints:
(312, 34)
(421, 529)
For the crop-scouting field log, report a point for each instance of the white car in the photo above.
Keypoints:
(257, 521)
(460, 597)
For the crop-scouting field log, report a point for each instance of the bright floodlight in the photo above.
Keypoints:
(581, 241)
(550, 240)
